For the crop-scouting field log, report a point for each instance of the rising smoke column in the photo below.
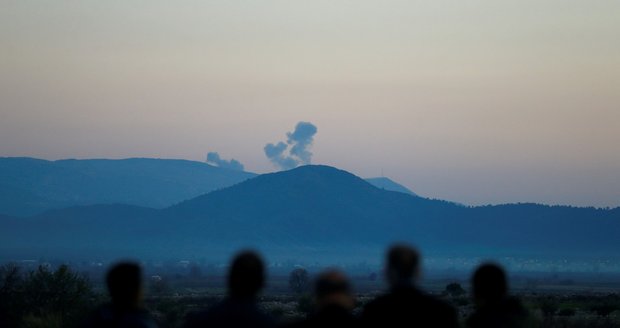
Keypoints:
(295, 151)
(215, 159)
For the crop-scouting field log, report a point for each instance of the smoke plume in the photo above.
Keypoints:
(295, 151)
(215, 159)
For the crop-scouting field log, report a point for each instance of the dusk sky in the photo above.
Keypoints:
(471, 101)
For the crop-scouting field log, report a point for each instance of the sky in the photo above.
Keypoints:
(479, 102)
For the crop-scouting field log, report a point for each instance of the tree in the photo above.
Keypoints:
(43, 298)
(62, 294)
(455, 289)
(11, 300)
(299, 280)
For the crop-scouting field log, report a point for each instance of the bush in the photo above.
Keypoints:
(299, 281)
(11, 300)
(44, 298)
(454, 289)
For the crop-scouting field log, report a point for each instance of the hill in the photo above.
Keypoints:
(308, 205)
(388, 184)
(30, 186)
(313, 212)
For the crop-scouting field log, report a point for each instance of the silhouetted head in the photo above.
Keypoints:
(124, 282)
(403, 265)
(332, 288)
(246, 276)
(489, 284)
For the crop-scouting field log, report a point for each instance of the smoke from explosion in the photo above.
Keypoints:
(295, 151)
(215, 159)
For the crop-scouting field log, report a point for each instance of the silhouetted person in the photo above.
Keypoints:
(334, 303)
(494, 307)
(125, 286)
(245, 279)
(405, 305)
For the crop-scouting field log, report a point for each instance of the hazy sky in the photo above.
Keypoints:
(472, 101)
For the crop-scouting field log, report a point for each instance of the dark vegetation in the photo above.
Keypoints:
(455, 289)
(61, 297)
(44, 297)
(299, 281)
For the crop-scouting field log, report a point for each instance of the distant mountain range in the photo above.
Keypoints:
(312, 212)
(30, 186)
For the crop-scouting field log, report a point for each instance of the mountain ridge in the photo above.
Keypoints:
(30, 186)
(138, 181)
(308, 211)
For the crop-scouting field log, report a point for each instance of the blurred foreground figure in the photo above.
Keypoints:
(494, 308)
(405, 305)
(245, 279)
(334, 303)
(124, 282)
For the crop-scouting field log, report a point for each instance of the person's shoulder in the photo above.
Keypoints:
(396, 298)
(304, 323)
(442, 312)
(515, 305)
(228, 313)
(141, 319)
(376, 308)
(100, 317)
(379, 302)
(436, 302)
(329, 318)
(508, 313)
(108, 316)
(474, 320)
(205, 316)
